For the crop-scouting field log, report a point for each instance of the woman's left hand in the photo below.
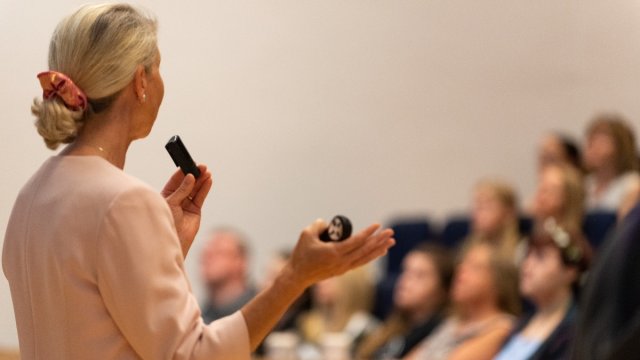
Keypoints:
(185, 197)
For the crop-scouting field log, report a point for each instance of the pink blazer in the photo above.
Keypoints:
(96, 271)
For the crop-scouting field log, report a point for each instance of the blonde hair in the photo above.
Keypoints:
(355, 291)
(505, 278)
(574, 197)
(505, 275)
(99, 47)
(506, 241)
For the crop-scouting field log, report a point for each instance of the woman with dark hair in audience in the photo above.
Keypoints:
(420, 297)
(558, 148)
(611, 159)
(549, 278)
(485, 299)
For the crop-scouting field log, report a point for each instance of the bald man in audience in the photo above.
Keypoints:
(224, 268)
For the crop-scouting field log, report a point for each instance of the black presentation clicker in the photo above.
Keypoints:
(181, 156)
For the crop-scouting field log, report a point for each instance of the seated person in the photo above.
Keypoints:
(610, 157)
(559, 195)
(549, 278)
(557, 148)
(224, 269)
(494, 217)
(340, 304)
(420, 297)
(485, 299)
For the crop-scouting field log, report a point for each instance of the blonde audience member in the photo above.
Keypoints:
(485, 299)
(611, 158)
(549, 277)
(340, 304)
(559, 195)
(420, 297)
(495, 217)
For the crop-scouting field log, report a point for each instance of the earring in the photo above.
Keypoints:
(144, 98)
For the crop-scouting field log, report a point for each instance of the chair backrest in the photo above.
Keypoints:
(597, 225)
(383, 302)
(408, 233)
(458, 227)
(455, 230)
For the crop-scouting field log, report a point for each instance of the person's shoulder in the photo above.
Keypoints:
(125, 190)
(502, 323)
(97, 181)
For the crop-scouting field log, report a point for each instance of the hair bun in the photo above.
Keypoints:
(55, 122)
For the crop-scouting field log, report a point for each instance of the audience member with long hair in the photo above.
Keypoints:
(611, 158)
(420, 298)
(559, 195)
(494, 217)
(485, 300)
(340, 304)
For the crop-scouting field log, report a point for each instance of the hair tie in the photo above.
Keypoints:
(58, 84)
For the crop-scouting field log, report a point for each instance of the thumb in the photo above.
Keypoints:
(183, 191)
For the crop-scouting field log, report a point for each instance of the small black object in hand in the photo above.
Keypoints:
(339, 229)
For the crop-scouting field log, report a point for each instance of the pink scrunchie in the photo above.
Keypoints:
(58, 84)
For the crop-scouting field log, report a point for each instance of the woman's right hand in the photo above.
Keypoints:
(314, 260)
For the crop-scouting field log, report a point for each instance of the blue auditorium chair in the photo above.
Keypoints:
(458, 227)
(383, 302)
(455, 229)
(408, 233)
(597, 225)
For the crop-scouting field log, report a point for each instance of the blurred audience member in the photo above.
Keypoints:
(224, 270)
(557, 148)
(495, 217)
(609, 322)
(485, 299)
(549, 278)
(611, 159)
(560, 196)
(420, 296)
(340, 305)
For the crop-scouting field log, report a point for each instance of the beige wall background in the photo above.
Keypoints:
(369, 108)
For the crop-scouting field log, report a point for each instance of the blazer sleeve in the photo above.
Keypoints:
(141, 278)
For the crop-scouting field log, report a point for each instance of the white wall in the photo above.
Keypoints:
(370, 108)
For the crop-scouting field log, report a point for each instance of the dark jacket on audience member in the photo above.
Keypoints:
(609, 322)
(211, 313)
(556, 346)
(400, 346)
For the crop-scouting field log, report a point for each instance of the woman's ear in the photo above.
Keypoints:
(140, 83)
